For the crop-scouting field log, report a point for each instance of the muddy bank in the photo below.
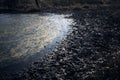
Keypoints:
(90, 52)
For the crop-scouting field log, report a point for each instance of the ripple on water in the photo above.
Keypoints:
(27, 34)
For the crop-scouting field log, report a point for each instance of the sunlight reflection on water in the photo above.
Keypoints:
(27, 34)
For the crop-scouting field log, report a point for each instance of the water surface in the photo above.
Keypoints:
(25, 35)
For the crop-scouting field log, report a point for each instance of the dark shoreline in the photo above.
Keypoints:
(58, 10)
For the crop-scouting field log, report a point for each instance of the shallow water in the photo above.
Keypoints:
(25, 35)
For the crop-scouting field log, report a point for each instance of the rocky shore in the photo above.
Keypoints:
(90, 52)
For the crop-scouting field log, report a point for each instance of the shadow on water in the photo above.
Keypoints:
(24, 38)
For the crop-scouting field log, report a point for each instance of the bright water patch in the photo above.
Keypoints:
(27, 34)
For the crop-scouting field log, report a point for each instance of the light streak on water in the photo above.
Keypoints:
(27, 34)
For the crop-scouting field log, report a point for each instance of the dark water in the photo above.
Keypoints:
(24, 38)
